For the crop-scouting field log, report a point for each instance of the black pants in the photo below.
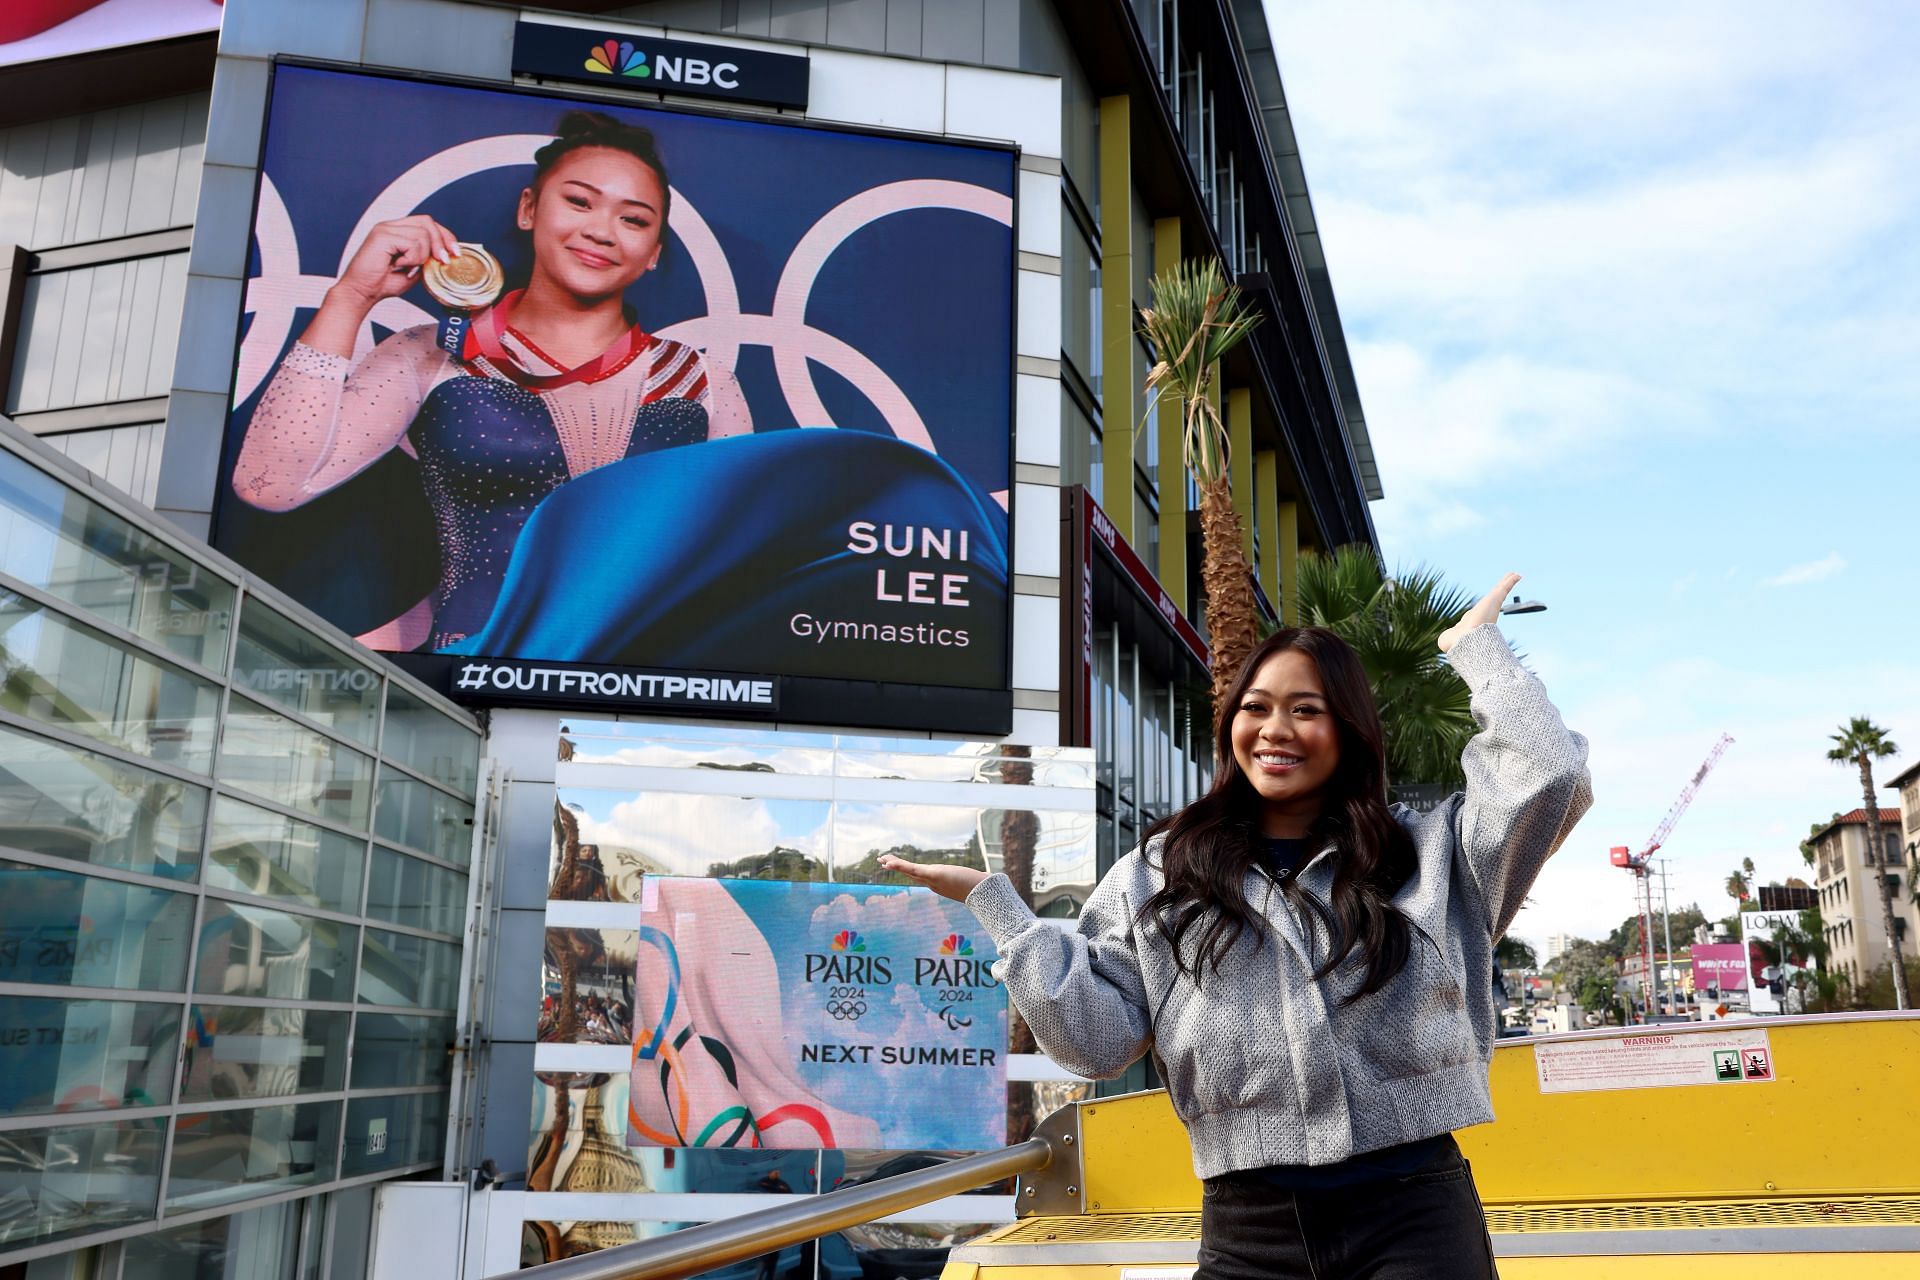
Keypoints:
(1427, 1225)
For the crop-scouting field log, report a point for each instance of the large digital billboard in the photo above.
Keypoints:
(590, 404)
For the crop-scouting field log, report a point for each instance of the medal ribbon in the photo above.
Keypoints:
(489, 327)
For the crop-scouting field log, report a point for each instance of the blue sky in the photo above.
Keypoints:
(1633, 294)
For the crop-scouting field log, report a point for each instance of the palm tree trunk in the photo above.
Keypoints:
(1232, 627)
(1877, 862)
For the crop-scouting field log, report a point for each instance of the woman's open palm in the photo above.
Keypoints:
(1487, 610)
(943, 878)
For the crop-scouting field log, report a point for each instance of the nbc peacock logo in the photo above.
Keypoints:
(848, 940)
(618, 58)
(956, 944)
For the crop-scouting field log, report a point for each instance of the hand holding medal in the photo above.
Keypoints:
(398, 252)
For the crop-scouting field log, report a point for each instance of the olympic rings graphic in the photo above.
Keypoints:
(847, 1010)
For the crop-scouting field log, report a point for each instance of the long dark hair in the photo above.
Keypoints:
(598, 129)
(1210, 845)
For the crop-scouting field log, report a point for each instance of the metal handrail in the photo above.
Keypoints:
(692, 1250)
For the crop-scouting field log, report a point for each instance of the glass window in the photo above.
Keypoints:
(417, 894)
(77, 1178)
(261, 852)
(392, 1050)
(73, 676)
(430, 742)
(69, 803)
(428, 819)
(273, 757)
(398, 968)
(250, 1051)
(1080, 328)
(84, 1055)
(64, 929)
(260, 1244)
(393, 1132)
(282, 661)
(222, 1156)
(253, 951)
(59, 541)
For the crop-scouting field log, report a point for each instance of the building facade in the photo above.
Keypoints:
(1845, 867)
(168, 195)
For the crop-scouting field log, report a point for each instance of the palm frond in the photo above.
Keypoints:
(1197, 317)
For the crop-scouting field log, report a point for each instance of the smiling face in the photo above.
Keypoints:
(1286, 741)
(595, 219)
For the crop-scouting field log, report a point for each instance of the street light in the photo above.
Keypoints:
(1523, 606)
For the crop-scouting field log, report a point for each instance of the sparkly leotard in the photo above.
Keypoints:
(495, 423)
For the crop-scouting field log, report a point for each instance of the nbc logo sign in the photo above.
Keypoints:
(956, 944)
(620, 58)
(848, 940)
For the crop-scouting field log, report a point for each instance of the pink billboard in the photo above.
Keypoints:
(34, 30)
(1721, 965)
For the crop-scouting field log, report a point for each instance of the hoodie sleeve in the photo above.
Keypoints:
(1081, 992)
(1527, 780)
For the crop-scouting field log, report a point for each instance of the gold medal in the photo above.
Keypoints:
(470, 282)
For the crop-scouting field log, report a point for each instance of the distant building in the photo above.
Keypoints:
(1557, 944)
(1849, 904)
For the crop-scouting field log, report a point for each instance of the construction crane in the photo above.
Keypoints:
(1638, 863)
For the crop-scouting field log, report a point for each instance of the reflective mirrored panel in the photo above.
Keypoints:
(578, 1140)
(398, 968)
(70, 1180)
(75, 677)
(940, 760)
(261, 852)
(1048, 853)
(423, 817)
(254, 1051)
(261, 1242)
(76, 550)
(392, 1050)
(69, 803)
(427, 741)
(282, 662)
(542, 1240)
(404, 890)
(664, 745)
(280, 761)
(222, 1156)
(901, 1249)
(85, 1055)
(61, 928)
(393, 1132)
(256, 951)
(606, 841)
(597, 967)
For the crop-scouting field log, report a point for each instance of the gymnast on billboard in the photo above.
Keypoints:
(512, 396)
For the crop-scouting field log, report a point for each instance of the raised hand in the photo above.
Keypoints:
(388, 261)
(944, 879)
(1487, 610)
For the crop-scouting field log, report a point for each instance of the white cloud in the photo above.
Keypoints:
(691, 832)
(1812, 571)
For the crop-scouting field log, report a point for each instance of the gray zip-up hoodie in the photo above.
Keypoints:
(1264, 1064)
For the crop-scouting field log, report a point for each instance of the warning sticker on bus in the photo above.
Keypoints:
(1655, 1061)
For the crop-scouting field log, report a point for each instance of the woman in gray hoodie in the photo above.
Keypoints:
(1311, 969)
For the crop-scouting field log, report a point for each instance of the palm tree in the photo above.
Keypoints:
(1860, 742)
(1740, 885)
(1195, 320)
(1394, 624)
